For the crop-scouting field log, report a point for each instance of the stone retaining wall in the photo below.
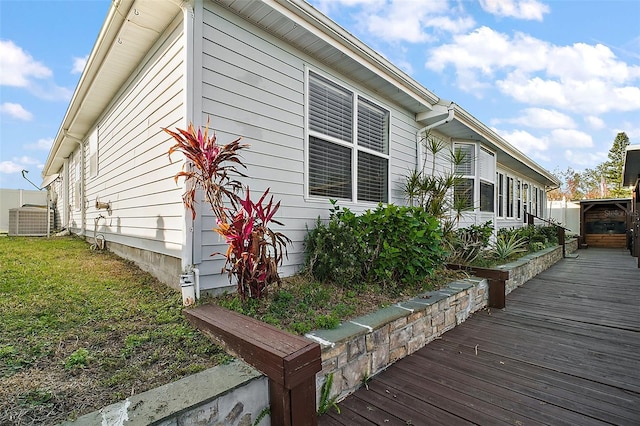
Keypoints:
(363, 347)
(236, 394)
(233, 394)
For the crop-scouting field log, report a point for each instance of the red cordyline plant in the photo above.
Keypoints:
(254, 250)
(213, 170)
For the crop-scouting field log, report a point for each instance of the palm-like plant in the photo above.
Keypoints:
(254, 250)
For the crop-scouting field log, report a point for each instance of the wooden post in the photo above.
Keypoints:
(530, 218)
(561, 240)
(291, 362)
(497, 297)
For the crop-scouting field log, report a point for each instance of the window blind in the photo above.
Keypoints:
(330, 109)
(372, 177)
(329, 170)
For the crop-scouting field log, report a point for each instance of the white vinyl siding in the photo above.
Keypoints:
(336, 161)
(93, 153)
(255, 87)
(133, 172)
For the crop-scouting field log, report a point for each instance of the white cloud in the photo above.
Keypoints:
(594, 122)
(585, 159)
(15, 111)
(580, 77)
(412, 21)
(523, 9)
(524, 141)
(17, 164)
(40, 145)
(488, 51)
(18, 67)
(10, 167)
(570, 138)
(78, 64)
(540, 118)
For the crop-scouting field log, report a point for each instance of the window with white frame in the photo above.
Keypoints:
(518, 198)
(510, 196)
(487, 166)
(465, 170)
(348, 144)
(93, 153)
(500, 195)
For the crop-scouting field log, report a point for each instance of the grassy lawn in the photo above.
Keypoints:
(81, 329)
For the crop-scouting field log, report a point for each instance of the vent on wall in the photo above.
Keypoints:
(29, 221)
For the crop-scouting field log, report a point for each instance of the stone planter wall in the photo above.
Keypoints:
(236, 394)
(527, 267)
(363, 347)
(233, 394)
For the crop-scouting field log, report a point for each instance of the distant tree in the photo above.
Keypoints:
(570, 185)
(614, 165)
(593, 182)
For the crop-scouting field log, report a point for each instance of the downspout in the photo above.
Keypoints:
(188, 270)
(419, 159)
(83, 212)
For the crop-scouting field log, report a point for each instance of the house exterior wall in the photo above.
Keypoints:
(133, 172)
(254, 87)
(528, 201)
(125, 164)
(75, 191)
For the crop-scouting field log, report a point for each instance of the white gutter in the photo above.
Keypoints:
(450, 115)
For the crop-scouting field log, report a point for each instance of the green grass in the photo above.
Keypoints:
(81, 329)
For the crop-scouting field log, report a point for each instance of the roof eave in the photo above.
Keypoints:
(631, 168)
(546, 177)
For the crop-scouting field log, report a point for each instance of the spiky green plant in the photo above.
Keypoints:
(507, 246)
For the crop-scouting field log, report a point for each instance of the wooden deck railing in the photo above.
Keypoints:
(291, 362)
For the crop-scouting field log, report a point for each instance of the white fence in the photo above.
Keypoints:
(567, 213)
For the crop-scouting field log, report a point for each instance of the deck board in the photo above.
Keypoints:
(566, 350)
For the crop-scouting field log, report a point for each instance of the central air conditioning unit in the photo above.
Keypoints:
(30, 221)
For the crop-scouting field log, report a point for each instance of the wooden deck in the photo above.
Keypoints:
(565, 351)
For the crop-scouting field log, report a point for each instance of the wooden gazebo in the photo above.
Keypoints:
(605, 222)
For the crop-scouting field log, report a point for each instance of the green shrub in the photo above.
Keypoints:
(391, 245)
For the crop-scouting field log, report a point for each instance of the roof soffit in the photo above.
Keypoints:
(631, 169)
(129, 31)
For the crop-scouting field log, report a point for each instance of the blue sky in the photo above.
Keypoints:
(557, 79)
